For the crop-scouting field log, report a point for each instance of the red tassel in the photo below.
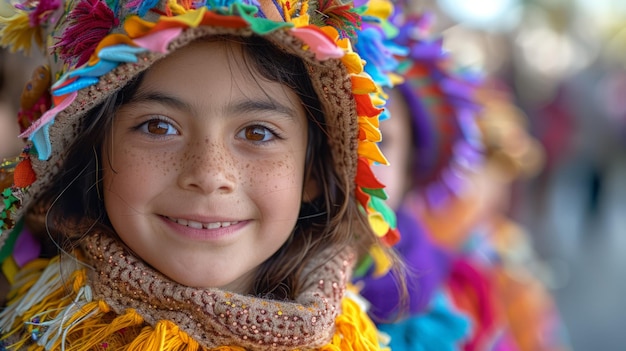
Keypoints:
(365, 107)
(391, 238)
(365, 177)
(24, 174)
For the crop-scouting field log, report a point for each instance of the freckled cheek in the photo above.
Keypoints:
(273, 175)
(139, 166)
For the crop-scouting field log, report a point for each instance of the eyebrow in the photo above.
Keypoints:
(244, 106)
(247, 106)
(164, 99)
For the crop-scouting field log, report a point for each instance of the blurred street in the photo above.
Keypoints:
(586, 255)
(565, 61)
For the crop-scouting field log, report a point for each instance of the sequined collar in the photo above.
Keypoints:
(214, 317)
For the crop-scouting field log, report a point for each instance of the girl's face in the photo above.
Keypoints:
(204, 167)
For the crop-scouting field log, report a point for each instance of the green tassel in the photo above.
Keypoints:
(9, 243)
(379, 193)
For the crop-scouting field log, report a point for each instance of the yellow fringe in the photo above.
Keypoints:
(17, 34)
(26, 277)
(164, 336)
(92, 333)
(355, 330)
(53, 301)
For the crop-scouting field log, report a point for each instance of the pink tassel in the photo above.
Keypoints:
(90, 21)
(44, 9)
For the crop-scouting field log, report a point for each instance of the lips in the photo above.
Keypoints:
(200, 225)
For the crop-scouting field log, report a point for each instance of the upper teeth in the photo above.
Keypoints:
(200, 225)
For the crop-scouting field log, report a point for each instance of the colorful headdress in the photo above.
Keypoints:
(96, 46)
(444, 112)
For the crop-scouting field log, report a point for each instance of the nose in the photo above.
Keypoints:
(208, 168)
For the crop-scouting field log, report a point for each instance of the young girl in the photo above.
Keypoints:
(204, 170)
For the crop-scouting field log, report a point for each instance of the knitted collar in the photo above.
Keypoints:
(207, 318)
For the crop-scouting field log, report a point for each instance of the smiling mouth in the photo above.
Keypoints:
(200, 225)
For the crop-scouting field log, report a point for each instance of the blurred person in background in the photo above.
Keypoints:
(477, 283)
(563, 63)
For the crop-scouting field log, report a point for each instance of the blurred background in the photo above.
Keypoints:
(565, 63)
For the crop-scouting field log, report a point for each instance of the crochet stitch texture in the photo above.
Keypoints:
(214, 317)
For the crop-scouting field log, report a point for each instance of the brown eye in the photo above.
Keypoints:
(159, 127)
(257, 133)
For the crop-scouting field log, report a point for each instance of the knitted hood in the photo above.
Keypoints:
(95, 47)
